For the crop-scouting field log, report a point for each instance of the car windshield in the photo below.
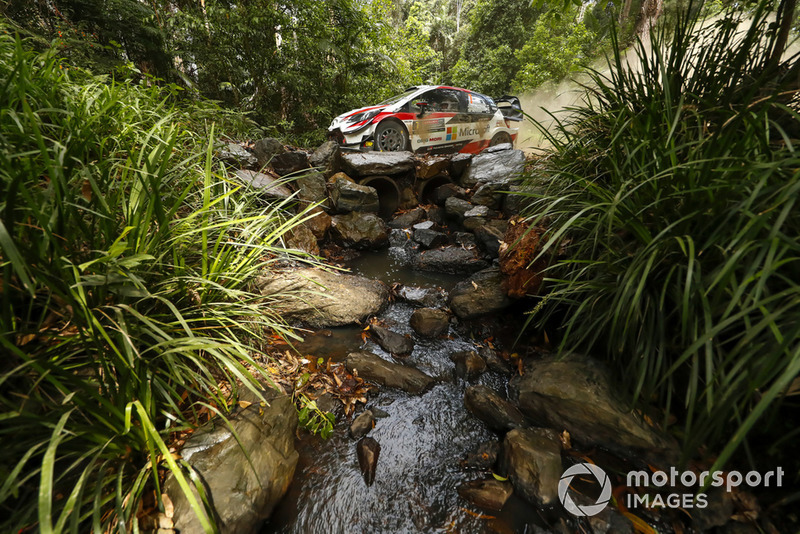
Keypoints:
(399, 97)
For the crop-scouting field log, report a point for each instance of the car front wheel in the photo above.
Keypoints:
(390, 136)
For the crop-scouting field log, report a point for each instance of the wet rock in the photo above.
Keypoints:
(362, 424)
(436, 215)
(359, 230)
(479, 295)
(575, 393)
(717, 513)
(367, 451)
(443, 192)
(468, 364)
(497, 413)
(483, 456)
(266, 149)
(501, 166)
(430, 166)
(608, 521)
(237, 156)
(322, 299)
(348, 196)
(408, 219)
(465, 239)
(532, 458)
(378, 413)
(489, 494)
(391, 342)
(264, 184)
(494, 362)
(244, 487)
(518, 260)
(318, 222)
(372, 367)
(311, 187)
(458, 164)
(489, 238)
(301, 237)
(328, 158)
(456, 208)
(489, 195)
(378, 163)
(430, 238)
(290, 162)
(430, 322)
(479, 211)
(451, 260)
(428, 297)
(514, 202)
(399, 238)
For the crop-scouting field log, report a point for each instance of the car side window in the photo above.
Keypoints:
(438, 100)
(478, 104)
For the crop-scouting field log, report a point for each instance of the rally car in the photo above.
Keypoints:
(434, 119)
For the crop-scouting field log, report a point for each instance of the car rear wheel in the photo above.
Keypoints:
(500, 138)
(390, 136)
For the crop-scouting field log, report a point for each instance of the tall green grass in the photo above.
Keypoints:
(674, 190)
(125, 258)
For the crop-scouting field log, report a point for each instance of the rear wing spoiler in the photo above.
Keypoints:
(510, 107)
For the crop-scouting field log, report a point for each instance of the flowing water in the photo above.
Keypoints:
(422, 441)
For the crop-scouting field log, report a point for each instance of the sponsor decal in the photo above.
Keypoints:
(428, 126)
(452, 133)
(435, 139)
(469, 131)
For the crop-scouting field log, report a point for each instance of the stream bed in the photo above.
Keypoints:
(422, 440)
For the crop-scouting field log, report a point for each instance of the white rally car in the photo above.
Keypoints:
(433, 119)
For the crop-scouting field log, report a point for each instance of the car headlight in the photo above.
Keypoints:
(366, 115)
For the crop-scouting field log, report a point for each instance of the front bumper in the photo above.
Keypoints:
(362, 141)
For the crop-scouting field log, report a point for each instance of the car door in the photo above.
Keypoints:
(433, 111)
(481, 110)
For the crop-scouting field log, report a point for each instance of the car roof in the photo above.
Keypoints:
(423, 88)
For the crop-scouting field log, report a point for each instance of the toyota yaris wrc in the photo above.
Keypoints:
(430, 119)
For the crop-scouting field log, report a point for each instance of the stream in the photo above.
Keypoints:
(422, 440)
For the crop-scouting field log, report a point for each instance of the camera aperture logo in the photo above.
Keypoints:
(586, 509)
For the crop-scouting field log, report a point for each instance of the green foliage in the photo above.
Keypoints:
(315, 420)
(673, 189)
(125, 259)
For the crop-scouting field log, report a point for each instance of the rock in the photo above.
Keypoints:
(430, 322)
(473, 223)
(430, 238)
(716, 513)
(349, 196)
(498, 148)
(318, 222)
(322, 299)
(391, 342)
(477, 216)
(328, 158)
(479, 211)
(374, 368)
(489, 493)
(479, 295)
(532, 458)
(501, 166)
(378, 413)
(408, 219)
(367, 451)
(430, 166)
(482, 457)
(301, 237)
(311, 187)
(494, 362)
(497, 413)
(489, 195)
(436, 215)
(451, 260)
(514, 203)
(456, 208)
(362, 424)
(518, 260)
(359, 230)
(489, 238)
(377, 163)
(264, 184)
(458, 164)
(237, 156)
(468, 364)
(290, 162)
(422, 296)
(575, 393)
(244, 487)
(266, 149)
(443, 192)
(425, 225)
